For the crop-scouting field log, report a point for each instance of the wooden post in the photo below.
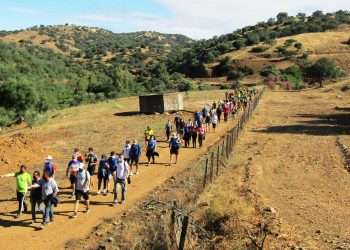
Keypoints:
(205, 174)
(212, 167)
(217, 161)
(173, 240)
(227, 142)
(183, 232)
(223, 146)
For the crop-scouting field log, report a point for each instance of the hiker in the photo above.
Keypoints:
(201, 135)
(207, 123)
(168, 130)
(103, 175)
(189, 124)
(35, 195)
(82, 189)
(194, 132)
(182, 126)
(219, 111)
(49, 192)
(79, 156)
(23, 181)
(226, 111)
(91, 160)
(72, 169)
(135, 154)
(148, 133)
(113, 162)
(151, 149)
(174, 145)
(187, 136)
(49, 165)
(126, 151)
(177, 122)
(214, 121)
(120, 178)
(198, 118)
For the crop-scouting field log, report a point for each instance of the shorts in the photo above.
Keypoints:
(79, 194)
(136, 161)
(174, 151)
(91, 170)
(214, 125)
(207, 120)
(73, 179)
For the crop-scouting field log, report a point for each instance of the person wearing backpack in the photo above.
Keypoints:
(49, 166)
(120, 179)
(174, 145)
(92, 160)
(103, 175)
(49, 192)
(135, 154)
(23, 182)
(82, 189)
(72, 169)
(168, 130)
(151, 149)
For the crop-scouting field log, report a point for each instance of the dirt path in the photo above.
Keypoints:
(297, 168)
(65, 228)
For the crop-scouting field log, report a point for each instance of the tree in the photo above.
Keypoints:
(234, 75)
(301, 16)
(320, 71)
(270, 70)
(239, 43)
(282, 17)
(298, 45)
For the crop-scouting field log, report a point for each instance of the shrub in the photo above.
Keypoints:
(289, 42)
(270, 70)
(298, 45)
(185, 85)
(234, 75)
(259, 49)
(238, 44)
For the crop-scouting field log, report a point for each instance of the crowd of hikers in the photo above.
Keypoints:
(117, 168)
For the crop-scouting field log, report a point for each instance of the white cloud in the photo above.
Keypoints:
(25, 10)
(205, 18)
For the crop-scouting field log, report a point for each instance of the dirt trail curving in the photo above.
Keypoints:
(13, 231)
(298, 169)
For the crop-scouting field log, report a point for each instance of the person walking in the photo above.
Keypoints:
(174, 145)
(151, 149)
(201, 135)
(49, 192)
(120, 179)
(198, 118)
(168, 130)
(78, 155)
(214, 121)
(35, 195)
(187, 136)
(72, 169)
(103, 175)
(82, 189)
(219, 111)
(126, 151)
(49, 165)
(135, 154)
(92, 160)
(148, 133)
(23, 181)
(194, 134)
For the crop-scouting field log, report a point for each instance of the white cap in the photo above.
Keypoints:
(49, 157)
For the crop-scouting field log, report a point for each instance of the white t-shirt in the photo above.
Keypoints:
(214, 119)
(81, 180)
(122, 168)
(126, 151)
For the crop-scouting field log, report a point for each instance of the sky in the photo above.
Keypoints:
(197, 19)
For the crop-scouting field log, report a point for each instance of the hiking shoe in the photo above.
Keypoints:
(42, 225)
(137, 172)
(121, 202)
(75, 215)
(87, 210)
(18, 215)
(98, 192)
(51, 222)
(105, 192)
(115, 202)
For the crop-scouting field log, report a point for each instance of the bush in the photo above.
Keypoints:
(289, 42)
(259, 49)
(270, 70)
(185, 85)
(234, 75)
(238, 44)
(298, 45)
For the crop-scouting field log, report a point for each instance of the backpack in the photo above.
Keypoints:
(49, 167)
(174, 144)
(112, 164)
